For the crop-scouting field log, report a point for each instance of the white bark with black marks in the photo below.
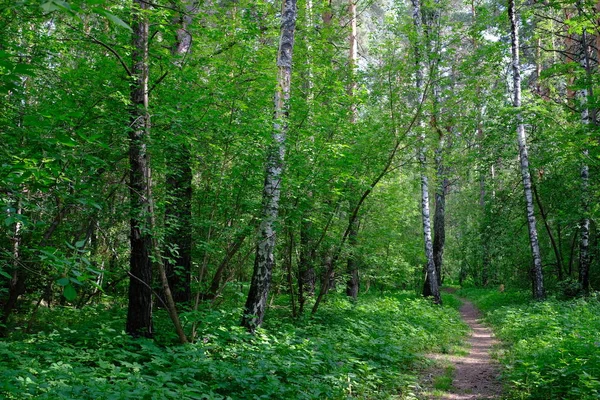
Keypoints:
(256, 303)
(433, 288)
(538, 281)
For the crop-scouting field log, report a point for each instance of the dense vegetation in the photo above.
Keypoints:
(221, 173)
(551, 349)
(367, 350)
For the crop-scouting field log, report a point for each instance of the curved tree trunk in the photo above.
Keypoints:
(254, 310)
(352, 285)
(538, 280)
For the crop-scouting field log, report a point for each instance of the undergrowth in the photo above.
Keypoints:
(366, 350)
(552, 348)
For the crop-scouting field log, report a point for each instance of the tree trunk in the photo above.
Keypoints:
(538, 281)
(254, 310)
(16, 285)
(306, 269)
(439, 222)
(431, 275)
(352, 266)
(352, 285)
(139, 311)
(555, 246)
(178, 215)
(178, 212)
(587, 116)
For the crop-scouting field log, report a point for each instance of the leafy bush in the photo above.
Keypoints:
(552, 348)
(569, 289)
(362, 350)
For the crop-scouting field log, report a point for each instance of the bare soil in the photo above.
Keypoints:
(476, 374)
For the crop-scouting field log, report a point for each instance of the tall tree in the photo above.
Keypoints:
(587, 118)
(352, 284)
(178, 212)
(139, 311)
(254, 310)
(432, 289)
(538, 280)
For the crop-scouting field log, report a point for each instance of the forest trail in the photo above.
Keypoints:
(475, 375)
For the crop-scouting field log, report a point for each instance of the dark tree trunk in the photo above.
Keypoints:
(178, 213)
(306, 269)
(254, 310)
(555, 246)
(233, 248)
(439, 224)
(352, 285)
(139, 311)
(178, 264)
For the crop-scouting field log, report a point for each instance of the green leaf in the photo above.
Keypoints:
(63, 281)
(116, 20)
(80, 244)
(70, 293)
(5, 274)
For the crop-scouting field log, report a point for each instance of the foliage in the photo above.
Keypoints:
(551, 349)
(363, 350)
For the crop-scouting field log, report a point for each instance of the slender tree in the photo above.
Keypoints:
(254, 310)
(538, 280)
(139, 311)
(178, 212)
(587, 117)
(352, 284)
(432, 289)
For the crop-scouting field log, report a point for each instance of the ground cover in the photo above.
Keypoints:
(369, 349)
(551, 348)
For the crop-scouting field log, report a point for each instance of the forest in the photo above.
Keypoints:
(316, 199)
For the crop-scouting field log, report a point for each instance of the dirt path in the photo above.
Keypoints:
(476, 374)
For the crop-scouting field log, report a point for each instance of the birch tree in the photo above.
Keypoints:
(254, 310)
(433, 288)
(587, 118)
(538, 280)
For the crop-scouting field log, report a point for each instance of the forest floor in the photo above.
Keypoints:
(468, 375)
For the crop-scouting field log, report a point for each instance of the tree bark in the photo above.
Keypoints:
(306, 269)
(254, 310)
(555, 246)
(431, 276)
(139, 311)
(587, 117)
(352, 285)
(538, 280)
(16, 285)
(178, 212)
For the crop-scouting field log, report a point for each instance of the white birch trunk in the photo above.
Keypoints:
(584, 243)
(256, 303)
(538, 281)
(425, 213)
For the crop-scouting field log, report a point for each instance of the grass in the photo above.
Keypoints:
(552, 348)
(444, 382)
(364, 350)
